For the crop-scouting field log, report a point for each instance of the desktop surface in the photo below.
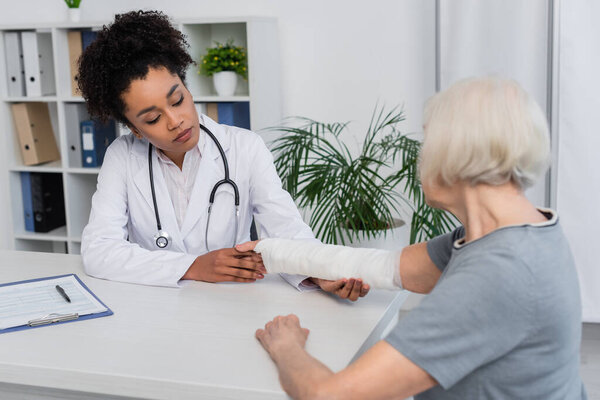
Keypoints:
(193, 342)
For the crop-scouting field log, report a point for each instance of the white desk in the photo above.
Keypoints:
(190, 343)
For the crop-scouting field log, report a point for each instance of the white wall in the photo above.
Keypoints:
(507, 38)
(578, 179)
(338, 58)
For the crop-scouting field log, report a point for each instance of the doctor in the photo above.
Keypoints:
(152, 221)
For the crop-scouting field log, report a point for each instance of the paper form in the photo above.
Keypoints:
(21, 303)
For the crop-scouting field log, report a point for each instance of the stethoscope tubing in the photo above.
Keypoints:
(162, 238)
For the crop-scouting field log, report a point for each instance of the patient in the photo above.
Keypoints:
(503, 316)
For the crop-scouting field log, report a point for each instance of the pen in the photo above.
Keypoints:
(62, 293)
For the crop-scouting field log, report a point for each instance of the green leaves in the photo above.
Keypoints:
(73, 3)
(224, 57)
(349, 193)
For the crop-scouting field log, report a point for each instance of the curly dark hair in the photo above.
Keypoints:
(124, 51)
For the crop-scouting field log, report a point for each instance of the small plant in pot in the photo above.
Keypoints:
(353, 195)
(73, 10)
(224, 63)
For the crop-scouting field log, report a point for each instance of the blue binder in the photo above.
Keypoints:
(234, 114)
(27, 201)
(87, 37)
(79, 318)
(95, 139)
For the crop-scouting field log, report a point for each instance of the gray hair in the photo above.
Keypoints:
(484, 130)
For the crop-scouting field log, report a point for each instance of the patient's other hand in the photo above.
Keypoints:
(350, 289)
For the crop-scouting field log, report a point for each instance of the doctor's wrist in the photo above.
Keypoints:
(194, 271)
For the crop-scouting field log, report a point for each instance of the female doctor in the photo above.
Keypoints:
(176, 195)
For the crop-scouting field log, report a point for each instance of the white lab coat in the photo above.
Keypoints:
(118, 242)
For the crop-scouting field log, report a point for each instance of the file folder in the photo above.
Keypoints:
(39, 64)
(87, 37)
(235, 114)
(35, 132)
(212, 111)
(201, 108)
(27, 201)
(85, 305)
(75, 49)
(43, 201)
(95, 139)
(14, 64)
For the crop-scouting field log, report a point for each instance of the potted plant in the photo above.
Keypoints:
(356, 196)
(224, 63)
(73, 10)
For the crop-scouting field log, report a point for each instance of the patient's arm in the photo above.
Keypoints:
(381, 373)
(411, 269)
(417, 272)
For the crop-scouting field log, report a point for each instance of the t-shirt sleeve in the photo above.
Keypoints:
(476, 315)
(440, 247)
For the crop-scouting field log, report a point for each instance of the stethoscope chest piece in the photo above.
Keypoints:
(162, 239)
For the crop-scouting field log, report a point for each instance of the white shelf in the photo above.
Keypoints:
(26, 99)
(220, 99)
(54, 166)
(72, 99)
(58, 234)
(90, 171)
(261, 90)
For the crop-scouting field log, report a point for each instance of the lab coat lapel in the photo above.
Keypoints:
(210, 171)
(142, 177)
(163, 199)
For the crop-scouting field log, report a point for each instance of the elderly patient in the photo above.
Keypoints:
(502, 318)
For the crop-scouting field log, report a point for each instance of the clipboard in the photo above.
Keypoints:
(55, 319)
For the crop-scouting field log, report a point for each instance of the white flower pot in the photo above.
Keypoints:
(74, 14)
(225, 83)
(395, 238)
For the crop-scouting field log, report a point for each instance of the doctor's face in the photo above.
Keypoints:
(160, 108)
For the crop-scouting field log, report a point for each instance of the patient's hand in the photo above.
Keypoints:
(350, 289)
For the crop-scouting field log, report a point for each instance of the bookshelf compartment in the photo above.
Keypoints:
(202, 36)
(38, 205)
(41, 246)
(15, 157)
(80, 189)
(74, 114)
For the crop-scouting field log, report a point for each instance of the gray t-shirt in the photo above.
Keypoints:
(504, 319)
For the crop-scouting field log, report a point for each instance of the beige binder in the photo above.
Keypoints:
(75, 50)
(35, 132)
(212, 111)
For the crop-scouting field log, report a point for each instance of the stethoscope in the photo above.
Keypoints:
(162, 238)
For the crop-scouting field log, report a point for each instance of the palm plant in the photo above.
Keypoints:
(351, 193)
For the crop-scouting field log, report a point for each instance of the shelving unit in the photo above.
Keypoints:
(261, 91)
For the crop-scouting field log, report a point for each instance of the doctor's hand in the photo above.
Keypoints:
(350, 289)
(226, 265)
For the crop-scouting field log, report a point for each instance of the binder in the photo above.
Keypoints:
(58, 318)
(201, 108)
(212, 111)
(39, 64)
(75, 49)
(35, 132)
(14, 64)
(43, 201)
(95, 139)
(87, 37)
(235, 114)
(27, 201)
